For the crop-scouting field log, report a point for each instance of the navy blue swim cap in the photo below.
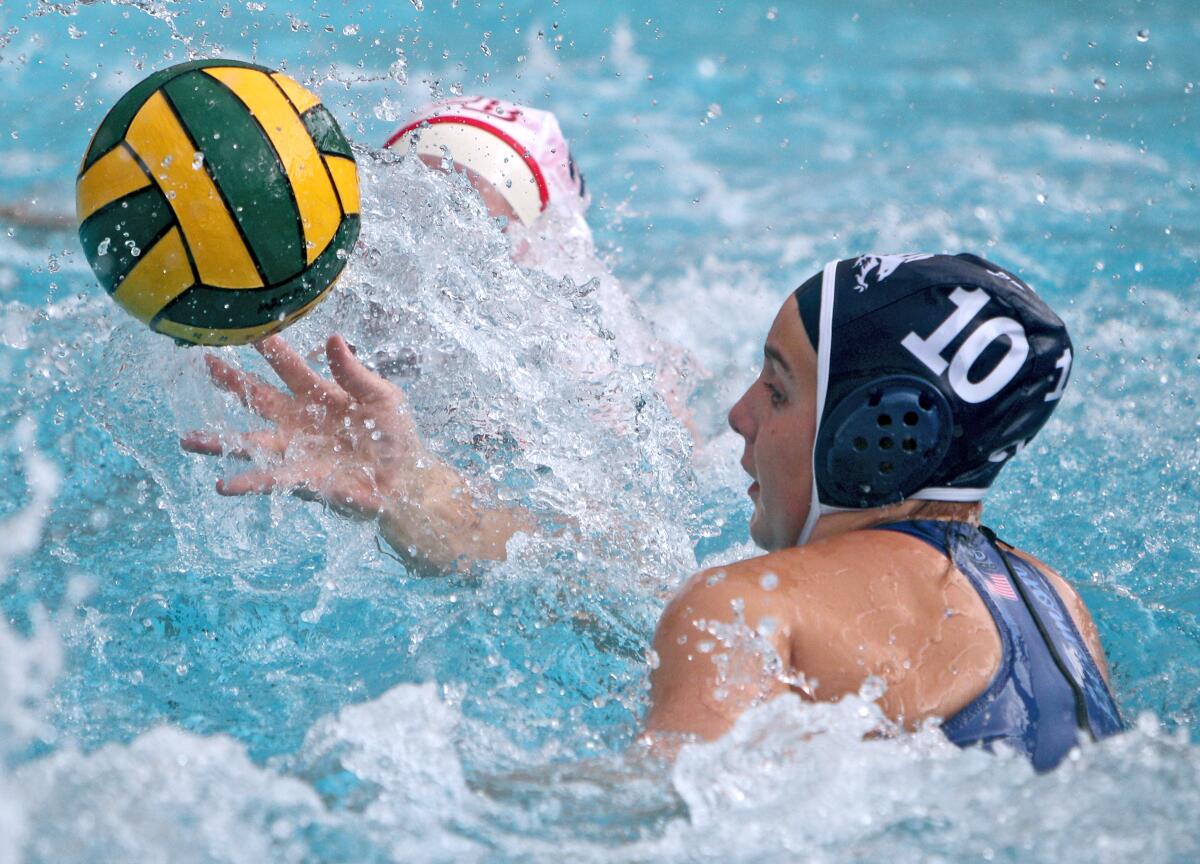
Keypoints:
(932, 372)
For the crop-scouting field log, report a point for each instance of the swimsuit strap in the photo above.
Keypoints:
(1095, 706)
(1048, 687)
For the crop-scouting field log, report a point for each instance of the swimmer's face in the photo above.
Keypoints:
(496, 204)
(777, 418)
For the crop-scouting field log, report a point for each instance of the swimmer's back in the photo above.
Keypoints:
(878, 603)
(913, 603)
(888, 604)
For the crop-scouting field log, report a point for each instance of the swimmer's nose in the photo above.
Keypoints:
(741, 418)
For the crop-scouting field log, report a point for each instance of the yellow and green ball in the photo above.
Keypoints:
(218, 202)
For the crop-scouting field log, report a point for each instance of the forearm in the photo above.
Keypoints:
(437, 525)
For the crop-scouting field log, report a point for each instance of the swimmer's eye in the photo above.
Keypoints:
(777, 397)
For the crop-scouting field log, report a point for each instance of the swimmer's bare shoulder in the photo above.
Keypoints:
(835, 611)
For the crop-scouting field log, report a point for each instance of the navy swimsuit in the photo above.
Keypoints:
(1048, 689)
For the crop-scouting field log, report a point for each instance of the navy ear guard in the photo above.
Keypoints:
(932, 372)
(882, 442)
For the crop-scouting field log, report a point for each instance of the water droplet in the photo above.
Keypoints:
(197, 160)
(769, 581)
(1138, 267)
(1041, 197)
(419, 5)
(1099, 83)
(772, 14)
(1143, 35)
(350, 30)
(873, 687)
(1098, 266)
(102, 246)
(1091, 44)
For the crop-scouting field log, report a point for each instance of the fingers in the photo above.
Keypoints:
(298, 481)
(256, 394)
(259, 482)
(244, 446)
(292, 368)
(202, 443)
(356, 379)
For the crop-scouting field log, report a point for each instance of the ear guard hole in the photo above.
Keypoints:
(881, 441)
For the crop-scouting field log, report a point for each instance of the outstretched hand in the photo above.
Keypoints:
(351, 443)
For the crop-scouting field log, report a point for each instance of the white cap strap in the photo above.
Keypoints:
(824, 344)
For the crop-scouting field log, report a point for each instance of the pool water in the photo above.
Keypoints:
(190, 678)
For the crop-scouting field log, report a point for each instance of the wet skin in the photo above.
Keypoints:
(849, 604)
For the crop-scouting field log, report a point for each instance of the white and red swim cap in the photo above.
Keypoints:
(520, 151)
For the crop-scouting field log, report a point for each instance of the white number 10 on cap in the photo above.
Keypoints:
(929, 350)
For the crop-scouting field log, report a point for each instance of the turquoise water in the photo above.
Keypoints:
(184, 677)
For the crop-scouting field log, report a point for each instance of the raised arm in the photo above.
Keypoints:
(351, 443)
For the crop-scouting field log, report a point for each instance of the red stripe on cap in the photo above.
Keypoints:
(530, 162)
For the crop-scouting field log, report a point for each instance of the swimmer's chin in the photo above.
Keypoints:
(756, 531)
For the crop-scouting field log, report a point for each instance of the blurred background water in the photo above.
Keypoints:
(190, 678)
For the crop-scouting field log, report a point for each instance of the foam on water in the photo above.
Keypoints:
(28, 663)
